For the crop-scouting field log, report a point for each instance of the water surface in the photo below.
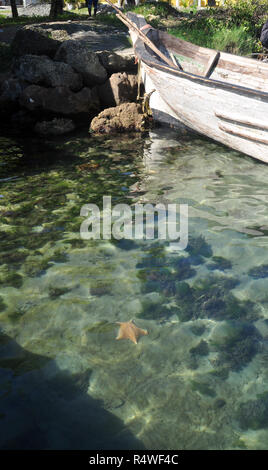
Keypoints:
(199, 379)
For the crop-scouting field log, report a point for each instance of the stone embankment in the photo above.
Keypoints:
(60, 81)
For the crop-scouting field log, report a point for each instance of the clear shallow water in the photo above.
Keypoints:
(199, 379)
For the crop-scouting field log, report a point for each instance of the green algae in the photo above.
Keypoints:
(203, 388)
(259, 272)
(2, 304)
(201, 349)
(237, 345)
(198, 246)
(100, 327)
(55, 291)
(36, 265)
(253, 414)
(101, 287)
(218, 262)
(11, 279)
(211, 298)
(23, 364)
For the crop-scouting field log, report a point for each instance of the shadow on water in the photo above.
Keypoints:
(43, 407)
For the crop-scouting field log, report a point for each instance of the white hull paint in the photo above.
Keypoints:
(199, 107)
(227, 114)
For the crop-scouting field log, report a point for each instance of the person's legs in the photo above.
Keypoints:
(95, 3)
(89, 6)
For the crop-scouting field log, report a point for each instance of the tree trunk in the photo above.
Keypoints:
(56, 8)
(14, 9)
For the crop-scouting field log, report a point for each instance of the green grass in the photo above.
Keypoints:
(233, 39)
(234, 29)
(5, 20)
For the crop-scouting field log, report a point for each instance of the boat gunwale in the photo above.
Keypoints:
(142, 52)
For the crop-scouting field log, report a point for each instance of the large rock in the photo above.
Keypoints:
(59, 100)
(83, 60)
(40, 70)
(124, 118)
(115, 62)
(119, 88)
(32, 39)
(55, 127)
(12, 89)
(264, 35)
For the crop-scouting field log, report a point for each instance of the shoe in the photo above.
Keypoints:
(95, 11)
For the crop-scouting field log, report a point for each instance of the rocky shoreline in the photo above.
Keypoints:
(60, 81)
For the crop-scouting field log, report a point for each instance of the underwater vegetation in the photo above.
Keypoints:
(204, 388)
(101, 287)
(201, 349)
(161, 273)
(198, 246)
(211, 298)
(218, 262)
(154, 308)
(10, 279)
(2, 304)
(237, 346)
(253, 414)
(259, 272)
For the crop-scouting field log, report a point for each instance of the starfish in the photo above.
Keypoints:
(128, 330)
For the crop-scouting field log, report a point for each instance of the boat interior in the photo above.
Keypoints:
(204, 62)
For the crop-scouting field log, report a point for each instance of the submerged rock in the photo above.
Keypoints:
(120, 88)
(59, 100)
(40, 70)
(55, 127)
(11, 89)
(32, 39)
(83, 61)
(124, 118)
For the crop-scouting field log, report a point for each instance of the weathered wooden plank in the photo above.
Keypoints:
(237, 118)
(211, 63)
(244, 134)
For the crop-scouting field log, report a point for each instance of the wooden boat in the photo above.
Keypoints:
(219, 95)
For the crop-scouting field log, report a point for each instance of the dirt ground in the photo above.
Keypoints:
(97, 36)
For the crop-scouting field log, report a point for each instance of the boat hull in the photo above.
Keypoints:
(226, 116)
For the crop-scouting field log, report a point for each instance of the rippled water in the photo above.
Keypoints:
(199, 379)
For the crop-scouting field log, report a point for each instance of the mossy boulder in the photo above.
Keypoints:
(127, 117)
(32, 39)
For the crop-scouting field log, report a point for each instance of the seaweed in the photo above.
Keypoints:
(219, 403)
(198, 330)
(238, 347)
(211, 298)
(2, 304)
(218, 262)
(253, 414)
(259, 272)
(11, 279)
(55, 292)
(157, 280)
(203, 388)
(183, 269)
(198, 246)
(152, 310)
(101, 287)
(201, 349)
